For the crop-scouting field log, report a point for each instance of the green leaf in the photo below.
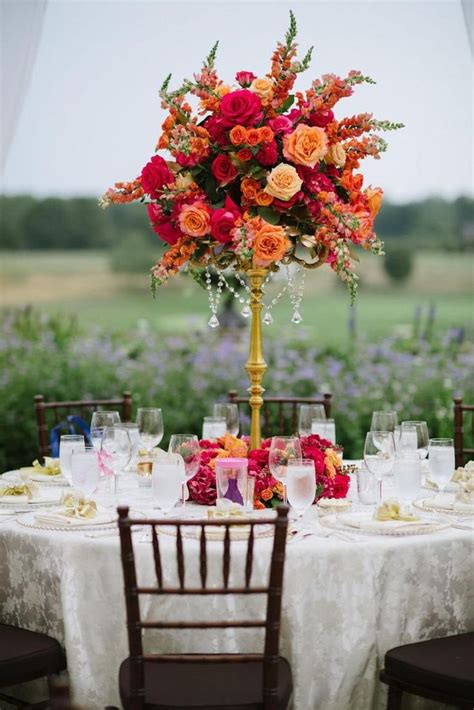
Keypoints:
(269, 215)
(286, 104)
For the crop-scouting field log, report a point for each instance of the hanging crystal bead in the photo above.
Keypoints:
(245, 312)
(268, 318)
(213, 321)
(296, 318)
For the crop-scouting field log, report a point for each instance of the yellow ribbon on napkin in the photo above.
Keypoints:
(50, 468)
(21, 489)
(78, 507)
(390, 510)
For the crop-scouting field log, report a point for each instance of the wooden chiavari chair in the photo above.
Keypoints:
(226, 681)
(462, 452)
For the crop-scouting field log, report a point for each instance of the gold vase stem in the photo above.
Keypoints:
(256, 364)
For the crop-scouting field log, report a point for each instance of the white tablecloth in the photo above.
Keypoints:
(345, 604)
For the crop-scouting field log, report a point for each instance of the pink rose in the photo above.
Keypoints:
(155, 175)
(187, 161)
(321, 118)
(294, 115)
(216, 129)
(281, 124)
(245, 78)
(223, 170)
(223, 221)
(241, 107)
(268, 154)
(162, 225)
(314, 180)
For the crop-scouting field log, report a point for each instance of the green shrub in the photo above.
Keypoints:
(135, 253)
(398, 262)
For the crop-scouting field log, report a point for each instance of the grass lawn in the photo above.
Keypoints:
(81, 283)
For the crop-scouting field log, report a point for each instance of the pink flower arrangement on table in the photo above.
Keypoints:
(329, 482)
(261, 175)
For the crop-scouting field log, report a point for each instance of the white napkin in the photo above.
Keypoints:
(40, 477)
(441, 501)
(378, 525)
(58, 517)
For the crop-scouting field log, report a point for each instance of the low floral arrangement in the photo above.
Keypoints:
(330, 481)
(260, 176)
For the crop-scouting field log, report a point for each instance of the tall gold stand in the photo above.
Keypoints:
(256, 364)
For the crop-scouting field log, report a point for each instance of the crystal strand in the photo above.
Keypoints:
(213, 321)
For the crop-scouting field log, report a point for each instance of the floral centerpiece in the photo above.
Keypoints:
(330, 481)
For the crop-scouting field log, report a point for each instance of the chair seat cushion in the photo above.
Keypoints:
(205, 686)
(444, 664)
(25, 655)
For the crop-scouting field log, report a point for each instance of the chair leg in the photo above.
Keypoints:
(394, 700)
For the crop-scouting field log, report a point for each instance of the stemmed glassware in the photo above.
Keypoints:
(283, 449)
(85, 471)
(230, 412)
(68, 444)
(150, 427)
(301, 485)
(100, 420)
(379, 455)
(441, 460)
(422, 436)
(117, 446)
(309, 415)
(187, 446)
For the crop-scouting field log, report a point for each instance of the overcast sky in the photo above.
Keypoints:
(92, 114)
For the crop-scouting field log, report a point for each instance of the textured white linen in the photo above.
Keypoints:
(345, 603)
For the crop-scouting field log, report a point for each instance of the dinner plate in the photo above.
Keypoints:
(369, 526)
(29, 520)
(44, 499)
(15, 477)
(429, 505)
(214, 533)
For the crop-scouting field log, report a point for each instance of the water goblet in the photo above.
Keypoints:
(282, 450)
(166, 480)
(379, 455)
(408, 440)
(384, 420)
(69, 443)
(309, 413)
(230, 412)
(213, 427)
(422, 436)
(99, 420)
(150, 427)
(441, 461)
(85, 471)
(187, 446)
(301, 485)
(117, 447)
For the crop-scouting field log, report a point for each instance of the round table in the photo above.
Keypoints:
(347, 600)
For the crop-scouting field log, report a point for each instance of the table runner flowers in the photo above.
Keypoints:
(261, 174)
(330, 481)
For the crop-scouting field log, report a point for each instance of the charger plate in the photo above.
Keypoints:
(29, 521)
(216, 534)
(14, 477)
(424, 504)
(336, 522)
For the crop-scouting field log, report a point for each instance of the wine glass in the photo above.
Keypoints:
(230, 412)
(308, 414)
(408, 440)
(69, 443)
(117, 446)
(379, 455)
(187, 446)
(150, 427)
(99, 420)
(282, 450)
(441, 461)
(422, 435)
(166, 483)
(301, 485)
(85, 471)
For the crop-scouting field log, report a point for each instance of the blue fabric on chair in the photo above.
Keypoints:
(71, 425)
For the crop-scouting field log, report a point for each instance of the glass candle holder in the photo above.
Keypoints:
(231, 481)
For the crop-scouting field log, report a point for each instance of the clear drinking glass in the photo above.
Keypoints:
(166, 481)
(69, 443)
(368, 486)
(187, 446)
(135, 445)
(213, 427)
(282, 450)
(301, 485)
(408, 476)
(117, 446)
(150, 427)
(384, 420)
(230, 412)
(85, 473)
(308, 414)
(408, 440)
(422, 435)
(231, 480)
(441, 461)
(99, 420)
(379, 455)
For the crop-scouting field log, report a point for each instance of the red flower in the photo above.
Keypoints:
(187, 161)
(260, 456)
(321, 118)
(162, 225)
(223, 170)
(241, 107)
(268, 154)
(281, 124)
(286, 204)
(314, 180)
(223, 221)
(245, 78)
(216, 129)
(155, 175)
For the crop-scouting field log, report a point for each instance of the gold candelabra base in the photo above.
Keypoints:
(256, 364)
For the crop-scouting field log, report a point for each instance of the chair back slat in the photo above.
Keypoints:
(272, 589)
(462, 452)
(284, 419)
(55, 412)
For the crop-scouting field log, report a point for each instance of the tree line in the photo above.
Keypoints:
(78, 223)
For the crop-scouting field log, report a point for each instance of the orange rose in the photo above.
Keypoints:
(238, 135)
(244, 155)
(266, 494)
(336, 155)
(263, 88)
(258, 505)
(374, 197)
(332, 462)
(253, 136)
(250, 188)
(283, 182)
(194, 219)
(270, 244)
(263, 199)
(306, 145)
(266, 134)
(234, 446)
